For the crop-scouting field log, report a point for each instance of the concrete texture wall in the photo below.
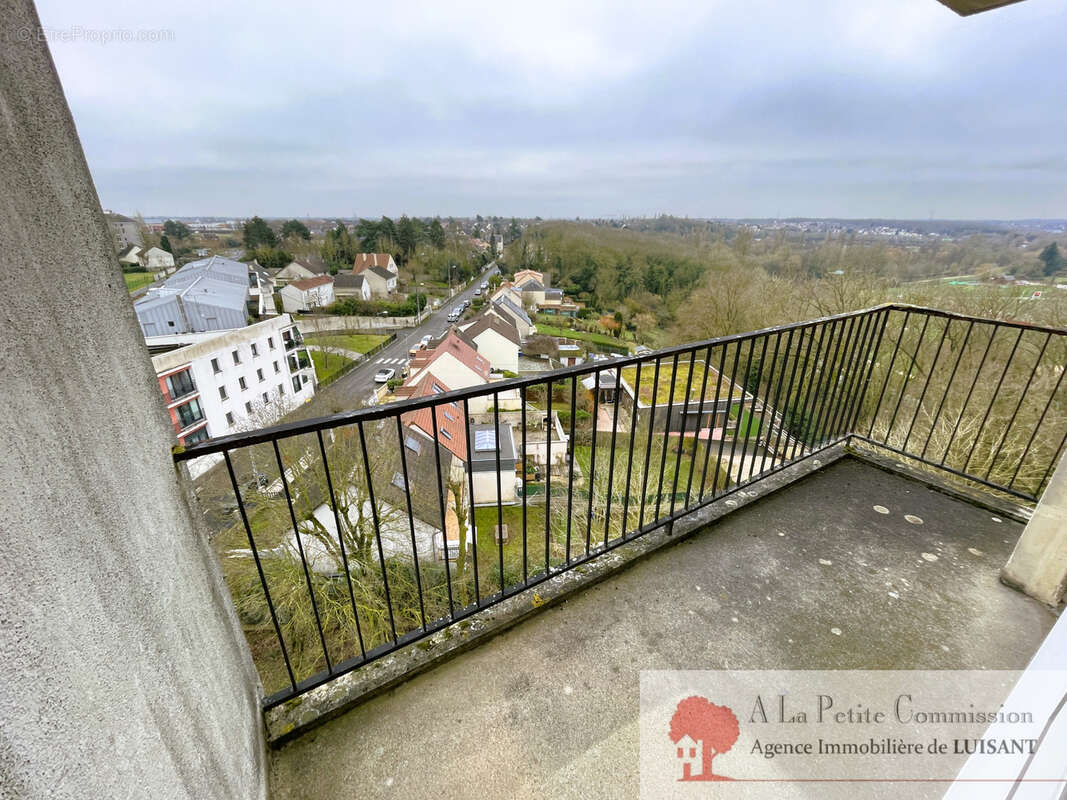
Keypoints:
(1038, 565)
(125, 672)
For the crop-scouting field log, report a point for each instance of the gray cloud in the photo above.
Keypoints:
(719, 109)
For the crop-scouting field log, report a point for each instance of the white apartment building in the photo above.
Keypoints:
(238, 380)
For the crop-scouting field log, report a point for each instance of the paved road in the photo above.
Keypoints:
(351, 390)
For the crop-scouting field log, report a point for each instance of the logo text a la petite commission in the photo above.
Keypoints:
(824, 708)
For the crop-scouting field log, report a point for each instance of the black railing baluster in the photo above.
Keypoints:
(341, 544)
(499, 493)
(740, 410)
(907, 379)
(633, 435)
(525, 470)
(993, 399)
(592, 462)
(1022, 396)
(929, 374)
(681, 431)
(970, 392)
(700, 423)
(870, 362)
(755, 402)
(303, 556)
(666, 436)
(856, 362)
(611, 459)
(411, 520)
(648, 444)
(778, 417)
(772, 374)
(827, 387)
(570, 470)
(259, 569)
(472, 520)
(807, 387)
(842, 375)
(731, 384)
(889, 372)
(441, 501)
(781, 450)
(548, 481)
(948, 387)
(377, 526)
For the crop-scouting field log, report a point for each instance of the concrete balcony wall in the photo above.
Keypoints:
(126, 674)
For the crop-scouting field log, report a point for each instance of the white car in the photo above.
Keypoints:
(485, 285)
(384, 375)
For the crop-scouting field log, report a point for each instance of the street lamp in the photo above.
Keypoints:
(418, 306)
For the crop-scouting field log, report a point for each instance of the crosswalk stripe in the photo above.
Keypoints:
(380, 361)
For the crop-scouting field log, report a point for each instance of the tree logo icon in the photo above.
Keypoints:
(699, 724)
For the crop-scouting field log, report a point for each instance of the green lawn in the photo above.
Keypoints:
(663, 386)
(749, 422)
(137, 280)
(356, 342)
(327, 366)
(586, 336)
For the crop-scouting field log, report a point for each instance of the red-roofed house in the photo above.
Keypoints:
(307, 293)
(497, 340)
(452, 361)
(451, 424)
(368, 260)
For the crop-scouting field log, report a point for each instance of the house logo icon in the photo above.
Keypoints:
(701, 730)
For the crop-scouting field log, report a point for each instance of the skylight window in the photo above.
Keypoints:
(437, 389)
(399, 482)
(446, 434)
(411, 443)
(448, 415)
(485, 440)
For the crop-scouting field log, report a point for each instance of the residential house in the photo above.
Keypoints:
(382, 282)
(239, 380)
(526, 274)
(307, 294)
(497, 340)
(507, 289)
(345, 284)
(294, 271)
(207, 295)
(130, 255)
(533, 292)
(498, 244)
(156, 259)
(368, 260)
(514, 314)
(126, 231)
(453, 360)
(556, 303)
(492, 485)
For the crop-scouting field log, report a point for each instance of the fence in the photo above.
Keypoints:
(341, 568)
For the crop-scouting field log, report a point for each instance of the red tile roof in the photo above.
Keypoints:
(368, 260)
(454, 345)
(451, 424)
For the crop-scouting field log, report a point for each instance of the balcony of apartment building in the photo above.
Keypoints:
(835, 494)
(292, 339)
(877, 491)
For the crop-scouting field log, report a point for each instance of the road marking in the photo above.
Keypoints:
(380, 361)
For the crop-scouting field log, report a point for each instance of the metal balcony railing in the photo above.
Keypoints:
(333, 553)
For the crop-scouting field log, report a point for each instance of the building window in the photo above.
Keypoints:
(266, 399)
(446, 434)
(259, 374)
(179, 384)
(189, 414)
(236, 357)
(448, 415)
(270, 342)
(281, 388)
(412, 444)
(303, 378)
(242, 384)
(196, 436)
(399, 482)
(229, 418)
(296, 384)
(255, 350)
(222, 393)
(215, 366)
(277, 368)
(248, 408)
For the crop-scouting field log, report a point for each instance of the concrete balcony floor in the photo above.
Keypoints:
(550, 708)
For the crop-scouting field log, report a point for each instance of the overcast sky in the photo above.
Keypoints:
(735, 108)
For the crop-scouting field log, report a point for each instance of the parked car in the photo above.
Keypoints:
(384, 375)
(485, 285)
(477, 292)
